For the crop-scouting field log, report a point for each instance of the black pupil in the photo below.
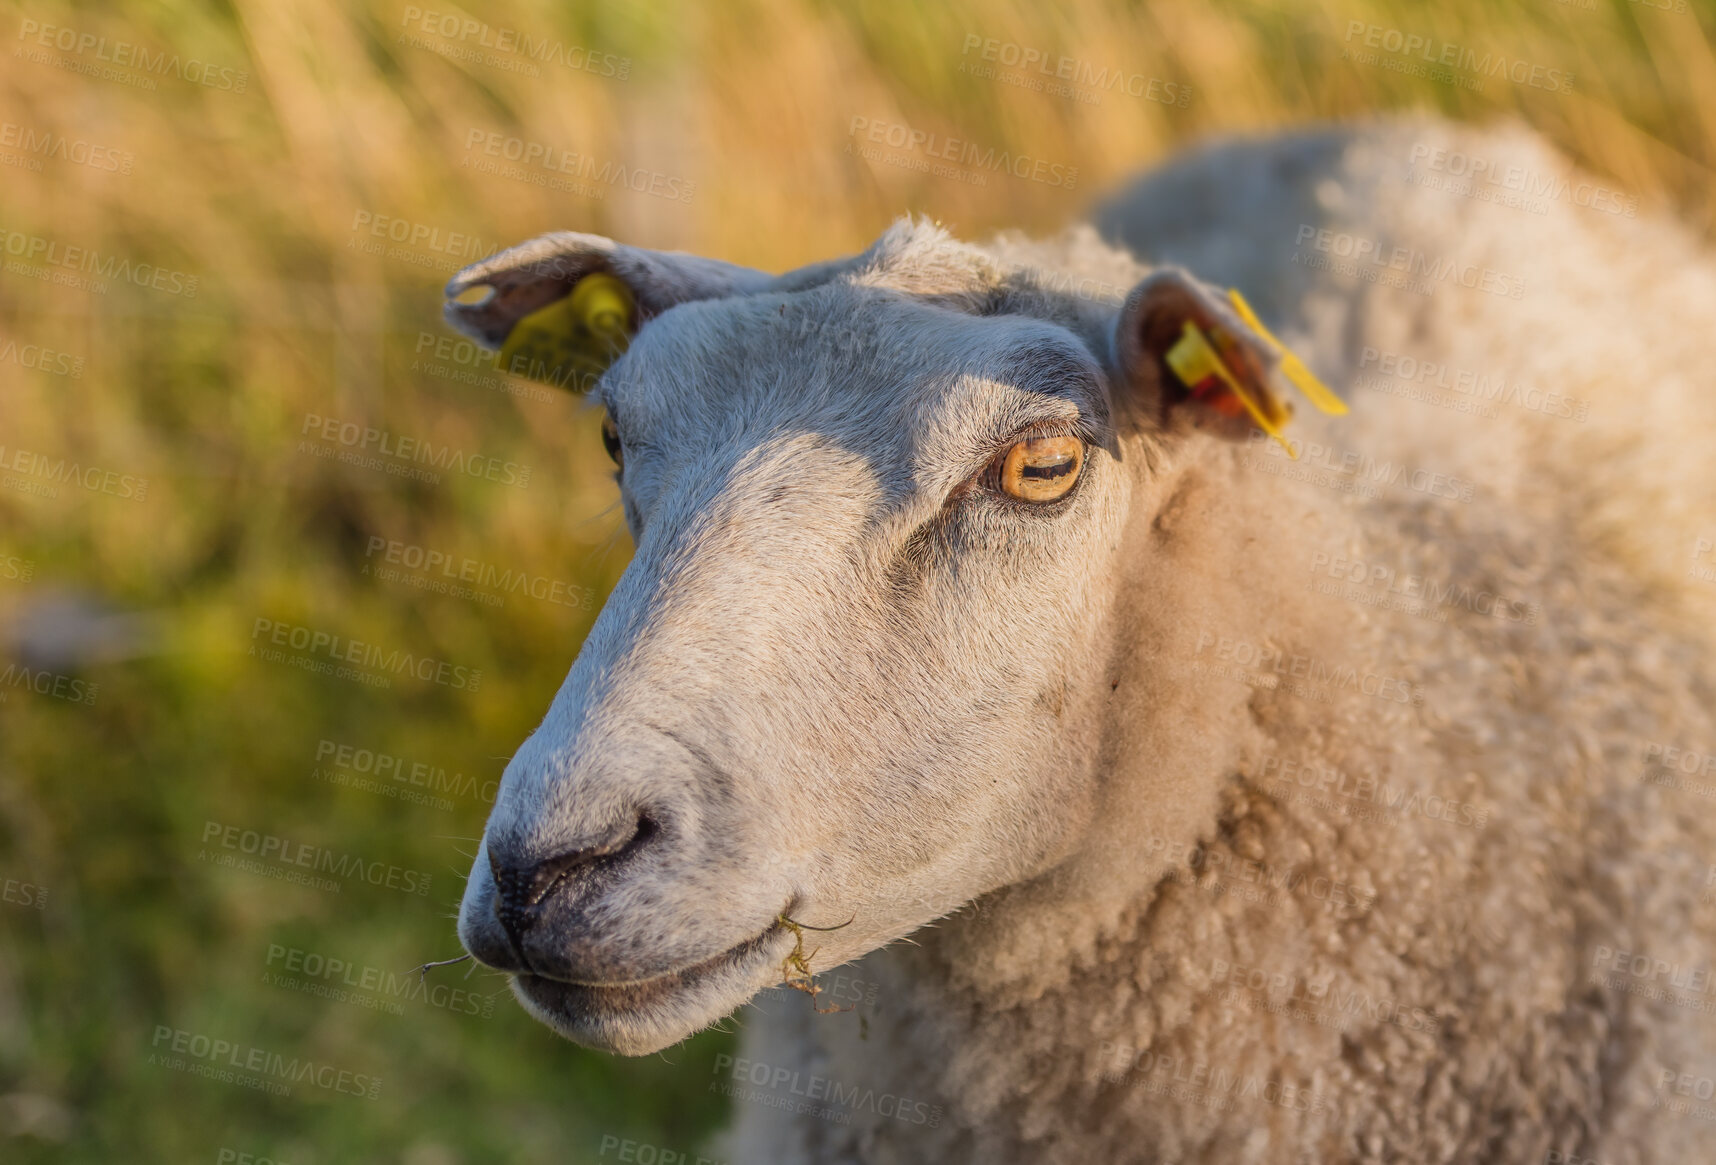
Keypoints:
(1056, 469)
(611, 439)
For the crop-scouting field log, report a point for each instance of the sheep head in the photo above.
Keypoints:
(853, 675)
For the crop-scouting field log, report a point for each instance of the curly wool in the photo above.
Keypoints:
(1250, 956)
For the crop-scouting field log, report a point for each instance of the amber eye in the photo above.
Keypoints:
(611, 441)
(1041, 469)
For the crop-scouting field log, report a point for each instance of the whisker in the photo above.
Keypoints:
(427, 967)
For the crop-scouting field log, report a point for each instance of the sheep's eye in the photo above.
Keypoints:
(611, 441)
(1040, 469)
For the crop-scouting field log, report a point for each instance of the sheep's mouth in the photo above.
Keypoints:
(730, 955)
(587, 1011)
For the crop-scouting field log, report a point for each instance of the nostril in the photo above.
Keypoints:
(521, 887)
(551, 873)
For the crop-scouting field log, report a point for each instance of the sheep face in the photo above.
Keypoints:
(851, 677)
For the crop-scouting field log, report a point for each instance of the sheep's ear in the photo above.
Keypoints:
(563, 306)
(1184, 348)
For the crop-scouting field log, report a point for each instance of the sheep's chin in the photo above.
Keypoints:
(636, 1019)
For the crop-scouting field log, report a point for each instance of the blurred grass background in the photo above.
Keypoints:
(363, 109)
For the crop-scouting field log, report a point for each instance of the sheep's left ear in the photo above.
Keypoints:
(564, 306)
(1184, 349)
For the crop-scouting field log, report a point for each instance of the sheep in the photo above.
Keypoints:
(1331, 798)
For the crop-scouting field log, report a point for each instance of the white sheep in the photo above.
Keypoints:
(1347, 807)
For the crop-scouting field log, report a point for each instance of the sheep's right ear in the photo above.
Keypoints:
(1187, 351)
(563, 306)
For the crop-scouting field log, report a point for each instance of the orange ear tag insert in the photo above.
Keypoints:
(1196, 362)
(1205, 364)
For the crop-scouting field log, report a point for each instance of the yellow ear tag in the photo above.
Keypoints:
(1195, 361)
(1302, 377)
(571, 342)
